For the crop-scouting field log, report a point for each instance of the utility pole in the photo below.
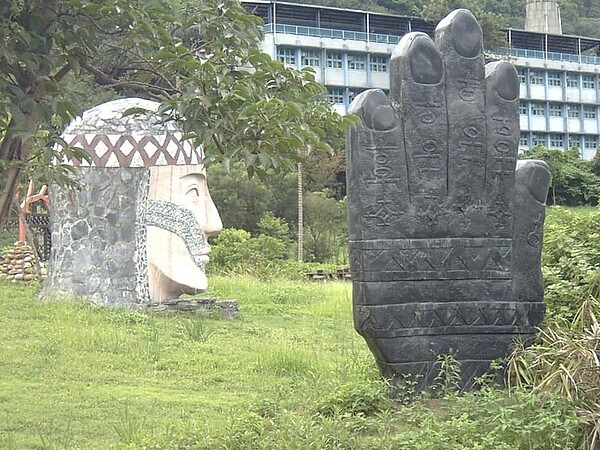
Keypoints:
(300, 214)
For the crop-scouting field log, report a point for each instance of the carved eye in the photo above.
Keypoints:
(193, 192)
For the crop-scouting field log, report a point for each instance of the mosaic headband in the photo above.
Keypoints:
(114, 140)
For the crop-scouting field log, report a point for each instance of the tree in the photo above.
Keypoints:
(595, 163)
(573, 180)
(491, 23)
(200, 60)
(243, 201)
(325, 225)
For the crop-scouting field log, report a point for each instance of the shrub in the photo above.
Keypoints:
(573, 179)
(565, 362)
(570, 259)
(357, 398)
(230, 250)
(325, 230)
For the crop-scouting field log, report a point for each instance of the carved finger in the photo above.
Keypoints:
(532, 179)
(417, 88)
(460, 41)
(376, 165)
(502, 117)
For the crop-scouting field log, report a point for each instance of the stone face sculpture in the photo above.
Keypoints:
(445, 235)
(180, 215)
(136, 230)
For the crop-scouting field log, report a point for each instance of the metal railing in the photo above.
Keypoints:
(554, 56)
(392, 39)
(333, 34)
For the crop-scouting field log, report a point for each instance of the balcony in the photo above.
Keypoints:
(554, 56)
(393, 39)
(333, 34)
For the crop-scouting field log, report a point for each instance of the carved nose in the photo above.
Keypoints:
(213, 224)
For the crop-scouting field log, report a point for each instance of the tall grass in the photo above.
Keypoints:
(289, 372)
(566, 362)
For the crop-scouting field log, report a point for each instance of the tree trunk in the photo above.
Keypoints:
(10, 188)
(15, 152)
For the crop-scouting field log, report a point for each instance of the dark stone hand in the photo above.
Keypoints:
(445, 234)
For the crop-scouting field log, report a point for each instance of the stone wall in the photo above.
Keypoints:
(95, 234)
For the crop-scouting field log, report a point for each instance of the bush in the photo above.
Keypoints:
(564, 362)
(573, 179)
(236, 251)
(570, 259)
(357, 398)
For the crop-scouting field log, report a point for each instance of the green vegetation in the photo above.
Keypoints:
(571, 259)
(575, 181)
(7, 239)
(289, 372)
(565, 362)
(261, 219)
(200, 60)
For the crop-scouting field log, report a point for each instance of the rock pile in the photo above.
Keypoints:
(18, 264)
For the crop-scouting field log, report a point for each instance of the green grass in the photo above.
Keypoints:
(65, 364)
(7, 239)
(289, 372)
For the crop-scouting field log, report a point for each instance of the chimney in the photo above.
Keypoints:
(543, 16)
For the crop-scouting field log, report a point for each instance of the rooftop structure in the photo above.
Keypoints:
(543, 16)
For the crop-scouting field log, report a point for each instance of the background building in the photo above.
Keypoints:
(350, 52)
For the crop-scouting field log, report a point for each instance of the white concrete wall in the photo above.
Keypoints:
(538, 123)
(555, 93)
(590, 126)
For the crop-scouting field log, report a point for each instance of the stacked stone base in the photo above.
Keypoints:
(19, 264)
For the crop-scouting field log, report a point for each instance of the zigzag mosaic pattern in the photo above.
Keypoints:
(125, 150)
(442, 318)
(431, 259)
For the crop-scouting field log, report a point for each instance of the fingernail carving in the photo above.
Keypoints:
(426, 66)
(505, 79)
(460, 28)
(378, 113)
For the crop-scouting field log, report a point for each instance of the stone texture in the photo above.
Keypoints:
(18, 264)
(137, 228)
(445, 234)
(95, 236)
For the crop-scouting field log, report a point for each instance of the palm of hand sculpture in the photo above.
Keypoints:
(445, 235)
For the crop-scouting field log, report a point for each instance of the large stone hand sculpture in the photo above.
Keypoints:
(445, 235)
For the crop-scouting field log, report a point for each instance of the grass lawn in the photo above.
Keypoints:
(75, 375)
(289, 372)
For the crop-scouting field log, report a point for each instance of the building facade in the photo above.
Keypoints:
(350, 51)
